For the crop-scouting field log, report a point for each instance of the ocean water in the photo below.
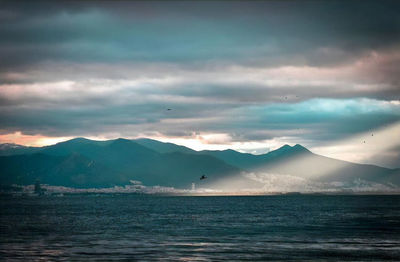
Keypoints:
(112, 227)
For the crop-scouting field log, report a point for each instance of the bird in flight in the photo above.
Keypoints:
(203, 177)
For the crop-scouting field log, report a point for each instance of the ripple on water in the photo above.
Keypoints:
(150, 228)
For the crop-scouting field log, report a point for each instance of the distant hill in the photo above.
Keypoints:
(295, 160)
(298, 161)
(9, 149)
(86, 163)
(301, 162)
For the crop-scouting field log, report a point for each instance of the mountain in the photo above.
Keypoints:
(298, 161)
(9, 149)
(244, 161)
(25, 169)
(251, 162)
(86, 163)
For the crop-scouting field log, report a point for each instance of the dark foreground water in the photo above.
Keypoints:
(152, 228)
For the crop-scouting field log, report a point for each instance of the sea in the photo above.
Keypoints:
(140, 227)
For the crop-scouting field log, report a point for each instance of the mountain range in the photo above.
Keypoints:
(84, 163)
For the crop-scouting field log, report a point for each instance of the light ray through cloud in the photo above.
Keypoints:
(367, 147)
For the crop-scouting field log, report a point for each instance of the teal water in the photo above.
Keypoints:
(153, 228)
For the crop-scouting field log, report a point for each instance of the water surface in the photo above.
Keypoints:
(129, 227)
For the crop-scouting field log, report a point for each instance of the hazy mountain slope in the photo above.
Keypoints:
(298, 161)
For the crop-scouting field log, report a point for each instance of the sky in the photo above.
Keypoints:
(246, 75)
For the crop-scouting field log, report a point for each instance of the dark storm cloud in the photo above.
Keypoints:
(259, 33)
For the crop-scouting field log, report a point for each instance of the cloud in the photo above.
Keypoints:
(256, 33)
(317, 119)
(33, 140)
(234, 73)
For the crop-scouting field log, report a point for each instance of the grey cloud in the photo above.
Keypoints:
(129, 61)
(243, 121)
(274, 33)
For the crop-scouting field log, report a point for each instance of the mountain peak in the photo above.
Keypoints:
(285, 146)
(299, 147)
(290, 149)
(122, 140)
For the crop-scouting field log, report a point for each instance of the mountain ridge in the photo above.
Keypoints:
(184, 148)
(82, 162)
